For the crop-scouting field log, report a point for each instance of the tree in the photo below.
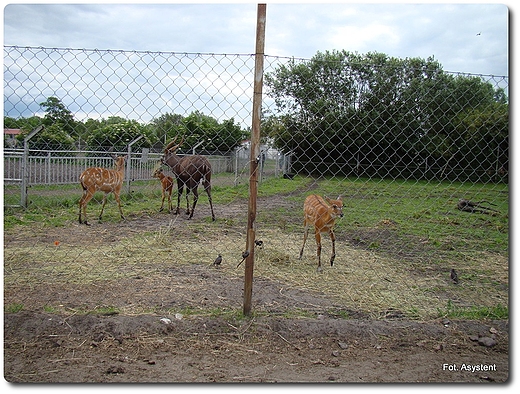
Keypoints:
(199, 130)
(115, 135)
(58, 114)
(59, 126)
(25, 124)
(340, 108)
(52, 137)
(166, 126)
(484, 140)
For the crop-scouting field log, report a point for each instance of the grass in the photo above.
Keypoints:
(395, 245)
(497, 312)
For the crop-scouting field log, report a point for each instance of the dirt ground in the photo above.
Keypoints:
(296, 335)
(150, 348)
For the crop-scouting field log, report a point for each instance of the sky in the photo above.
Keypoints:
(463, 37)
(470, 38)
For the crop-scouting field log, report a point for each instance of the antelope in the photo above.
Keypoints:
(189, 171)
(167, 187)
(321, 213)
(102, 179)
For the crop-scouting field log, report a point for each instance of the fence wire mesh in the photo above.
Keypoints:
(418, 155)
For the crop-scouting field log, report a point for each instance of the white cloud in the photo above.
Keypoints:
(359, 38)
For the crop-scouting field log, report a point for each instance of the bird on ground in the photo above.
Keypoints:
(259, 242)
(454, 276)
(218, 260)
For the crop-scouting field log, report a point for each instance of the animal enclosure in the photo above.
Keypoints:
(401, 151)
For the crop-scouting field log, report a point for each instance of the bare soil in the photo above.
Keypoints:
(42, 347)
(295, 335)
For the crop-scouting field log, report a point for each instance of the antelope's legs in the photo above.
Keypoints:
(317, 234)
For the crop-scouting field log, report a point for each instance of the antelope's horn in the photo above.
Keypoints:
(167, 148)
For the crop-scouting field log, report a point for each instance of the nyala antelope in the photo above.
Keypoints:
(189, 171)
(102, 179)
(167, 187)
(321, 213)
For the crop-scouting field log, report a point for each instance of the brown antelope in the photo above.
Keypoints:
(102, 179)
(189, 171)
(167, 187)
(321, 213)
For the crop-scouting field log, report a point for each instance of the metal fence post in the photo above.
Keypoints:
(25, 165)
(129, 163)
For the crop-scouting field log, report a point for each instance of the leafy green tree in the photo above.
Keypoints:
(116, 134)
(57, 114)
(483, 140)
(199, 131)
(59, 126)
(166, 127)
(52, 137)
(11, 123)
(340, 108)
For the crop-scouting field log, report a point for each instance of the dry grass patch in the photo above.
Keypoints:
(363, 280)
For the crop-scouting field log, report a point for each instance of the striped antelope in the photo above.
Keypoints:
(102, 179)
(321, 213)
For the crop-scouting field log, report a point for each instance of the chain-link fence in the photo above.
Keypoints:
(418, 155)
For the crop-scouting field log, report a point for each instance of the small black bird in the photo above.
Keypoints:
(454, 276)
(218, 260)
(259, 242)
(244, 256)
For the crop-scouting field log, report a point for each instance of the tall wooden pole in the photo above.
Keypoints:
(255, 157)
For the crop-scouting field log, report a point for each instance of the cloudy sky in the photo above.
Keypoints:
(469, 38)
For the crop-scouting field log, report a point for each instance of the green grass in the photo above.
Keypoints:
(421, 212)
(13, 308)
(417, 211)
(390, 230)
(498, 312)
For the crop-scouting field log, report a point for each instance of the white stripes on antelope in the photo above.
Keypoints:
(95, 179)
(321, 213)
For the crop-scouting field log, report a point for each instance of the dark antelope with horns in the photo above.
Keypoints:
(189, 171)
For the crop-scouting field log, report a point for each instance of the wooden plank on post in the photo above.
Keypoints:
(255, 156)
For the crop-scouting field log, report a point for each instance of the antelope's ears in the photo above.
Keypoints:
(328, 199)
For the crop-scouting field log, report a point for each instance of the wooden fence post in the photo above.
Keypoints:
(255, 157)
